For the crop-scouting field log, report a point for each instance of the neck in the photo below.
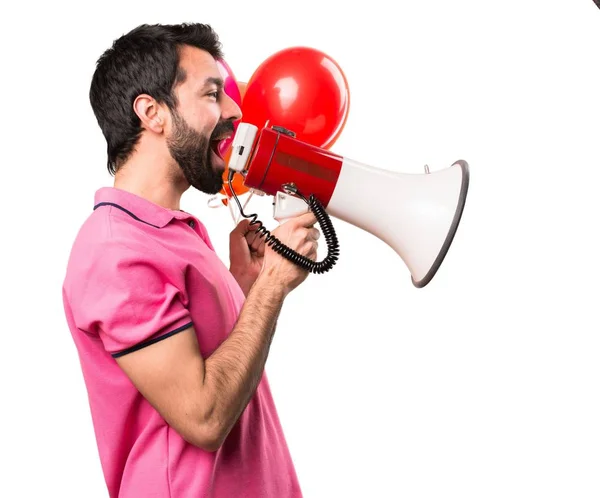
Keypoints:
(151, 179)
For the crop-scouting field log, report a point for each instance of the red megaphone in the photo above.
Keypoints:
(419, 221)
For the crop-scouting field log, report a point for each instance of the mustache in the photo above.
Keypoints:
(222, 128)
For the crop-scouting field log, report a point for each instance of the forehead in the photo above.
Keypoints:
(198, 65)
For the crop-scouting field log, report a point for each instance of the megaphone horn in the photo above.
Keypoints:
(419, 222)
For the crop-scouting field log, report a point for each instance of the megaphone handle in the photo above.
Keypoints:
(330, 237)
(287, 252)
(286, 206)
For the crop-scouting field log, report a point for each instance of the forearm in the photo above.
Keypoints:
(234, 370)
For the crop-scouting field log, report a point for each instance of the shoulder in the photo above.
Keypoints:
(109, 245)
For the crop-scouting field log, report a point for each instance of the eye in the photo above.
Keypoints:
(215, 95)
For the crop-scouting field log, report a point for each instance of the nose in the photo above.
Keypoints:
(229, 109)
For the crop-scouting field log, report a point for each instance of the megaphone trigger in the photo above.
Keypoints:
(286, 206)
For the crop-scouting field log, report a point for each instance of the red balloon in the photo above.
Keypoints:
(301, 89)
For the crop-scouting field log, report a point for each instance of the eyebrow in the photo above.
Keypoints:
(218, 82)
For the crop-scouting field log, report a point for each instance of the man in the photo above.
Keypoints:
(172, 344)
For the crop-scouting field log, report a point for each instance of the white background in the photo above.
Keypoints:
(483, 384)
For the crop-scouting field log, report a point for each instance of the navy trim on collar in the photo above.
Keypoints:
(100, 204)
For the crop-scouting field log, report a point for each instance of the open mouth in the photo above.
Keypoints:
(216, 146)
(220, 144)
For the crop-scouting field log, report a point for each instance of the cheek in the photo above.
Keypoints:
(198, 111)
(212, 116)
(210, 124)
(203, 119)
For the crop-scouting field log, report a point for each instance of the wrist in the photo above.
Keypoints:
(267, 287)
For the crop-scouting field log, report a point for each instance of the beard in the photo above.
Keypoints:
(193, 153)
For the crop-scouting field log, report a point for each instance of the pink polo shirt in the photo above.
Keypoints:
(139, 273)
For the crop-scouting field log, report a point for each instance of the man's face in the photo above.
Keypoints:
(203, 118)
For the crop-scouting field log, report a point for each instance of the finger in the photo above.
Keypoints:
(252, 227)
(251, 235)
(310, 233)
(257, 243)
(306, 220)
(312, 255)
(248, 230)
(309, 248)
(260, 249)
(241, 228)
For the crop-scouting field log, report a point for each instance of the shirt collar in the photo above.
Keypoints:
(140, 208)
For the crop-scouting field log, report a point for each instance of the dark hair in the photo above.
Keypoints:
(145, 60)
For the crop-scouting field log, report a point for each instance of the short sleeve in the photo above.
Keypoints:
(131, 299)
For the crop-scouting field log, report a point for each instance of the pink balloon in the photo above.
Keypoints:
(230, 87)
(230, 83)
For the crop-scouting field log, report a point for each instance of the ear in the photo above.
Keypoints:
(150, 113)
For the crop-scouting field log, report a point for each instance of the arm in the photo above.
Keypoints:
(203, 398)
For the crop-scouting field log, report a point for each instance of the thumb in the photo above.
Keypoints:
(242, 228)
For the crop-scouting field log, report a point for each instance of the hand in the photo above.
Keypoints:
(246, 254)
(299, 234)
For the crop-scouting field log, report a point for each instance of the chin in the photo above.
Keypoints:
(214, 187)
(218, 168)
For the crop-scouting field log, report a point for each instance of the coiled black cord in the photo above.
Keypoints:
(323, 220)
